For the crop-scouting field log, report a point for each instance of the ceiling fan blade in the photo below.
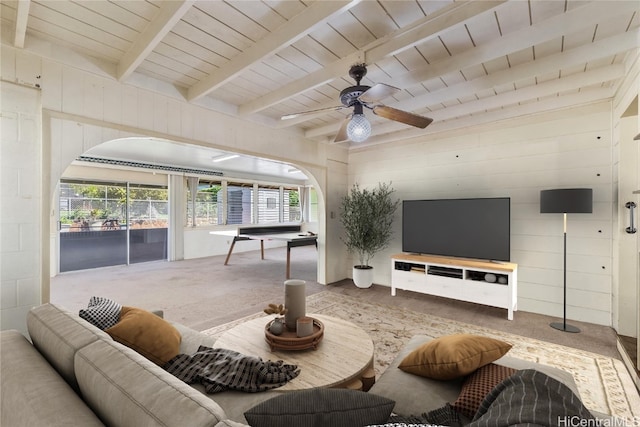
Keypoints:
(342, 136)
(318, 111)
(402, 116)
(377, 93)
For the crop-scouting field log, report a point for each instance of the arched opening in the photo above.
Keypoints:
(76, 163)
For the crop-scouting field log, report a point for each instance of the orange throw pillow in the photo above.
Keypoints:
(148, 334)
(453, 356)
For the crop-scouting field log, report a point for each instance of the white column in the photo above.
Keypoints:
(22, 247)
(177, 220)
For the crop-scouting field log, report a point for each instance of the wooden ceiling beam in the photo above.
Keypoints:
(567, 101)
(526, 94)
(22, 16)
(554, 27)
(294, 29)
(404, 38)
(562, 60)
(559, 25)
(169, 14)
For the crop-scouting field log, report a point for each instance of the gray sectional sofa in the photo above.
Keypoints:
(73, 373)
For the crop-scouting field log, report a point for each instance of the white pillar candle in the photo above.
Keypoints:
(304, 326)
(294, 302)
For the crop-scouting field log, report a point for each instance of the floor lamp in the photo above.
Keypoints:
(564, 201)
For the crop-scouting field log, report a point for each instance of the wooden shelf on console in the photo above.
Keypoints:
(483, 282)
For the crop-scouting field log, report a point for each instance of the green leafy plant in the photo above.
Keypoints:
(367, 217)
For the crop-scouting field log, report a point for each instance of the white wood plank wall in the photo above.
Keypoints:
(21, 208)
(517, 159)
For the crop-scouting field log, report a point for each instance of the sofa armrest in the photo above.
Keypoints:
(33, 393)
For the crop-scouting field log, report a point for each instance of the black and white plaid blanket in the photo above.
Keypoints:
(219, 369)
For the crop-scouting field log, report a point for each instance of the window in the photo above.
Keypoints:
(105, 224)
(245, 203)
(148, 206)
(313, 205)
(291, 203)
(239, 203)
(208, 211)
(268, 204)
(86, 206)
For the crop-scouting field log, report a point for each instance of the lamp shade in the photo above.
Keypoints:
(566, 200)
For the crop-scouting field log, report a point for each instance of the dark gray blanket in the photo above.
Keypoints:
(527, 398)
(219, 369)
(531, 398)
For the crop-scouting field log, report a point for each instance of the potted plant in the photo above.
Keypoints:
(367, 216)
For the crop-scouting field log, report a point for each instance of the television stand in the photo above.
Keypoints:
(483, 282)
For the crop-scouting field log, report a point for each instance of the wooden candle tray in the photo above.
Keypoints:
(288, 340)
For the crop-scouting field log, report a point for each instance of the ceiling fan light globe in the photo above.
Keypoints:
(359, 128)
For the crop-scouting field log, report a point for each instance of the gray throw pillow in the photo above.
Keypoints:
(403, 425)
(101, 312)
(321, 407)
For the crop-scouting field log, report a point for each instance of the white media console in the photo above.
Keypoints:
(483, 282)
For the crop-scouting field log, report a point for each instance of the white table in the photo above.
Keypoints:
(291, 234)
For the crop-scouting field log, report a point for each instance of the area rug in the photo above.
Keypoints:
(604, 383)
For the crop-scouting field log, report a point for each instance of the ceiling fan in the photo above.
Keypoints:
(356, 127)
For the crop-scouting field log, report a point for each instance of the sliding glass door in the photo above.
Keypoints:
(106, 224)
(149, 222)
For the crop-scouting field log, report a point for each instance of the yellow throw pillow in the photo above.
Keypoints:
(453, 356)
(148, 334)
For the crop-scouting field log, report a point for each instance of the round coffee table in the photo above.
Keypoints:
(343, 355)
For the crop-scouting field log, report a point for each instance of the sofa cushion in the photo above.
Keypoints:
(126, 389)
(101, 312)
(477, 385)
(321, 407)
(148, 334)
(453, 356)
(191, 340)
(33, 393)
(58, 334)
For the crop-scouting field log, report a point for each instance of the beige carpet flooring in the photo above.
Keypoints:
(203, 293)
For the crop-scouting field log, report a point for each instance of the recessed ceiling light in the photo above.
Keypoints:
(225, 157)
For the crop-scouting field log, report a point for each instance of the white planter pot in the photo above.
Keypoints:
(363, 277)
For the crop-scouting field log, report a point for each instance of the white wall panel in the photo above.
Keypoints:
(85, 108)
(93, 97)
(146, 116)
(21, 214)
(52, 81)
(517, 159)
(72, 101)
(112, 102)
(129, 106)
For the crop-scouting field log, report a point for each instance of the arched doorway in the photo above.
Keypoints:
(61, 164)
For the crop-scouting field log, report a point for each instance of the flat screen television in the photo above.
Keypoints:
(466, 228)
